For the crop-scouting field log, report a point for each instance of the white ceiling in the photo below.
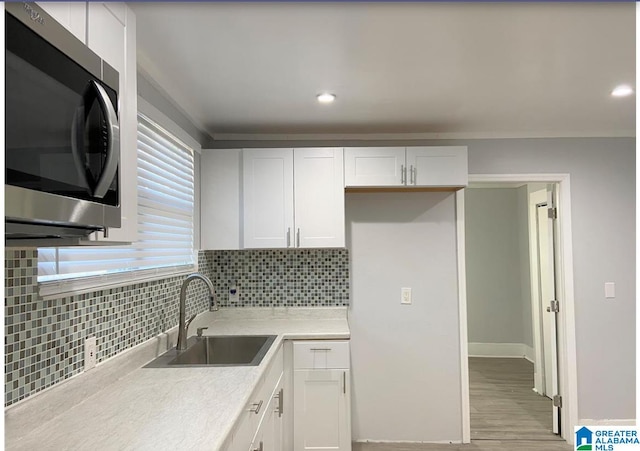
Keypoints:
(438, 69)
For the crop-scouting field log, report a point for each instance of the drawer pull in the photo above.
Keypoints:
(280, 397)
(320, 349)
(256, 407)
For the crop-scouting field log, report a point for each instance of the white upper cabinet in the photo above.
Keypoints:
(374, 166)
(268, 198)
(437, 167)
(111, 34)
(319, 197)
(71, 15)
(220, 215)
(444, 166)
(293, 198)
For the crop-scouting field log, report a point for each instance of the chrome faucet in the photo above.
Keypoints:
(183, 325)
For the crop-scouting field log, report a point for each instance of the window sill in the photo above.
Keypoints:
(73, 287)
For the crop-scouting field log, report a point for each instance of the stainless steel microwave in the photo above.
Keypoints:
(62, 136)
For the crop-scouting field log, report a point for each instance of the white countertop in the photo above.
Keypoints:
(163, 408)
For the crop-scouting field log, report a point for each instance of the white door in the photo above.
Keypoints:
(319, 197)
(547, 296)
(374, 166)
(268, 198)
(321, 410)
(444, 166)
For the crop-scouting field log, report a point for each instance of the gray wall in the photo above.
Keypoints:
(603, 217)
(405, 358)
(495, 307)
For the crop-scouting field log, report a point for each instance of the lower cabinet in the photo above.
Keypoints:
(260, 425)
(321, 396)
(269, 435)
(302, 402)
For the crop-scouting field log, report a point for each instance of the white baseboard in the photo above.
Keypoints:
(629, 422)
(510, 350)
(529, 354)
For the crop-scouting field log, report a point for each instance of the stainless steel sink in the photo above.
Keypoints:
(225, 350)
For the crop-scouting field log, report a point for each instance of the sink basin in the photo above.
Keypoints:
(225, 350)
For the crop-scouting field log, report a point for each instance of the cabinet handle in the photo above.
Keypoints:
(288, 236)
(280, 396)
(403, 174)
(413, 175)
(256, 407)
(320, 349)
(344, 382)
(260, 448)
(298, 237)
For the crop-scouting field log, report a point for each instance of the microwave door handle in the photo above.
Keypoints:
(113, 146)
(76, 145)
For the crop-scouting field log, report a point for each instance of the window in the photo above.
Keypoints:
(165, 220)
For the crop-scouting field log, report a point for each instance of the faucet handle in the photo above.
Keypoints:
(200, 329)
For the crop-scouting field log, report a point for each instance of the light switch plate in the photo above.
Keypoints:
(609, 290)
(405, 296)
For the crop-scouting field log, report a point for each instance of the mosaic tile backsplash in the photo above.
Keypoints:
(44, 339)
(282, 278)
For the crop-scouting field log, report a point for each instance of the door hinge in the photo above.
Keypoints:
(553, 213)
(554, 306)
(557, 401)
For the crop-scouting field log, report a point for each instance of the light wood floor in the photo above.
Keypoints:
(503, 404)
(475, 445)
(506, 415)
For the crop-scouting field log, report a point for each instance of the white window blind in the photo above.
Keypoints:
(165, 217)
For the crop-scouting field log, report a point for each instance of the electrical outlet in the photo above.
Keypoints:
(233, 294)
(405, 296)
(89, 353)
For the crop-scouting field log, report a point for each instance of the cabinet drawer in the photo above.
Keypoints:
(320, 354)
(247, 425)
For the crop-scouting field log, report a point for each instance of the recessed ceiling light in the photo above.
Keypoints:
(326, 97)
(622, 91)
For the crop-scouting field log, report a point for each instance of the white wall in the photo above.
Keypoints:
(405, 358)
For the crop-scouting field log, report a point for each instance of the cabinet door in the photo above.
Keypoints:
(115, 42)
(71, 15)
(269, 433)
(444, 166)
(319, 197)
(374, 166)
(268, 198)
(220, 199)
(321, 410)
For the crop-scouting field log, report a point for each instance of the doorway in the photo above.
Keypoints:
(526, 355)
